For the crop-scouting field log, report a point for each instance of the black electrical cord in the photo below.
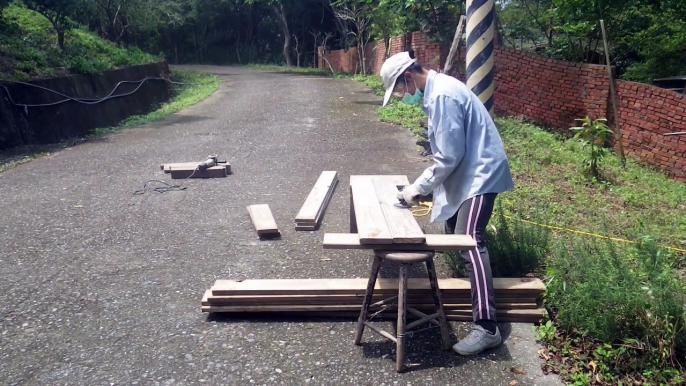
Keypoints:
(163, 189)
(86, 101)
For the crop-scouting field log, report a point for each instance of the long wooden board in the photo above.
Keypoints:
(510, 286)
(212, 172)
(317, 197)
(263, 221)
(517, 316)
(397, 180)
(307, 226)
(412, 298)
(433, 242)
(371, 222)
(402, 224)
(167, 168)
(505, 316)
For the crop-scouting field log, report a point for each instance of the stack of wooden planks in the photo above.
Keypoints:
(517, 299)
(310, 215)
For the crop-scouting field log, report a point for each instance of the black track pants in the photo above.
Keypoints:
(471, 219)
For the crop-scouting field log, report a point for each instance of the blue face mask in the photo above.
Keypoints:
(412, 99)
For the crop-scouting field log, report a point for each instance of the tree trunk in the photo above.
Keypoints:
(60, 38)
(281, 16)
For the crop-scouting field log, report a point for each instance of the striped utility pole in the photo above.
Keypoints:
(480, 32)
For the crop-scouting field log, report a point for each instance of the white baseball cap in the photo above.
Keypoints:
(391, 69)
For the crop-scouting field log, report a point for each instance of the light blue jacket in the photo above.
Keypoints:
(468, 154)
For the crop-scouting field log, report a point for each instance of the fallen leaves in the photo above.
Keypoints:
(517, 370)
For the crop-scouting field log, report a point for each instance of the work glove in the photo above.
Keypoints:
(410, 195)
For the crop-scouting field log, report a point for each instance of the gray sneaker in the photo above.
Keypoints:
(477, 341)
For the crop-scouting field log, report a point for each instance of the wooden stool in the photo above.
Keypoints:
(405, 259)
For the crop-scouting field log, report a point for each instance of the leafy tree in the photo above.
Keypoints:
(58, 12)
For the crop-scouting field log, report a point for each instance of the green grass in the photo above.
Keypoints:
(28, 49)
(14, 163)
(299, 70)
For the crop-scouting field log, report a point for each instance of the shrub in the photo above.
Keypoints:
(631, 299)
(516, 248)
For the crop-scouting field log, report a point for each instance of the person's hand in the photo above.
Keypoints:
(410, 195)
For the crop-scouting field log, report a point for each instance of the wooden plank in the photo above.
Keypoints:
(317, 197)
(433, 242)
(263, 220)
(530, 318)
(371, 222)
(509, 286)
(412, 298)
(425, 304)
(167, 168)
(398, 180)
(213, 172)
(402, 224)
(519, 316)
(307, 226)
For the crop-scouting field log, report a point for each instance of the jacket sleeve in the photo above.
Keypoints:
(446, 122)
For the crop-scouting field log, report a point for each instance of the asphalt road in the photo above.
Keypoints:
(103, 287)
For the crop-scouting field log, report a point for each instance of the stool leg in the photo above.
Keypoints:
(445, 334)
(402, 303)
(367, 299)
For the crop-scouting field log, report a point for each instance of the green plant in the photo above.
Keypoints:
(545, 331)
(593, 133)
(629, 298)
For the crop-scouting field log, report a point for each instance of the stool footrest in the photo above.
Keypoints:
(384, 302)
(421, 321)
(381, 332)
(421, 315)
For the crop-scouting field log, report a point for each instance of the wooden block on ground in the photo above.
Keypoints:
(433, 242)
(317, 198)
(213, 172)
(167, 168)
(263, 220)
(371, 222)
(509, 286)
(511, 316)
(402, 224)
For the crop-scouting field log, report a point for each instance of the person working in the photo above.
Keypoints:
(469, 169)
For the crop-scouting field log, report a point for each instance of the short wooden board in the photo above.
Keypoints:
(433, 242)
(402, 224)
(262, 220)
(317, 197)
(509, 286)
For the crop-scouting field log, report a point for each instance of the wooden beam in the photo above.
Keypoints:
(402, 224)
(433, 242)
(506, 286)
(212, 172)
(190, 165)
(454, 47)
(316, 200)
(398, 180)
(263, 220)
(371, 222)
(310, 226)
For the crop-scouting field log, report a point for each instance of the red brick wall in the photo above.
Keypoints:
(646, 113)
(555, 93)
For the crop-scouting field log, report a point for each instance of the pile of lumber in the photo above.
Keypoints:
(517, 299)
(310, 215)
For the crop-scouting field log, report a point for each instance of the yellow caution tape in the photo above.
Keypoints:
(425, 207)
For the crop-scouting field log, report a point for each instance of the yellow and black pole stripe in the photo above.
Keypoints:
(480, 40)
